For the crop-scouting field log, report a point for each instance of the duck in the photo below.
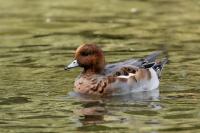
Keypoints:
(100, 79)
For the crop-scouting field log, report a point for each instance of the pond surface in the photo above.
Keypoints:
(38, 37)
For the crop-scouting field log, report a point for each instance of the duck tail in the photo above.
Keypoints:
(157, 65)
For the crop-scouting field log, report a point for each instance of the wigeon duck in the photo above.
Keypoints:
(99, 79)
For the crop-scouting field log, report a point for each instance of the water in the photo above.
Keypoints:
(38, 37)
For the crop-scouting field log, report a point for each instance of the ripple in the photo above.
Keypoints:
(99, 128)
(42, 117)
(14, 100)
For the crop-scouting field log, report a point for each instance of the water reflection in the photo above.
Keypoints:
(94, 110)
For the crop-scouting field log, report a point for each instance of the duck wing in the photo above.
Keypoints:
(131, 65)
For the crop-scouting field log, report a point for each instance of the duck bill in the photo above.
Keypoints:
(72, 65)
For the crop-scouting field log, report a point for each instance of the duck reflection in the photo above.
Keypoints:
(94, 110)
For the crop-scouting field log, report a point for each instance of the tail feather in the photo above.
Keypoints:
(157, 65)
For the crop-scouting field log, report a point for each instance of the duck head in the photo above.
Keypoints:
(90, 57)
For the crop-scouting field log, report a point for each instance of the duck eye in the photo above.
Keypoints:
(86, 53)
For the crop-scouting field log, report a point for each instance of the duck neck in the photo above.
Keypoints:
(91, 71)
(95, 68)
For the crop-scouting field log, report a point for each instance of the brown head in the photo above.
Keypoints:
(90, 57)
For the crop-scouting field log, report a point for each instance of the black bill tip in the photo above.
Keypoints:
(66, 68)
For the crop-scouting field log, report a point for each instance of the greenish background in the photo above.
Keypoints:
(38, 37)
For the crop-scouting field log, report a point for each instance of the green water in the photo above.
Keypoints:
(38, 37)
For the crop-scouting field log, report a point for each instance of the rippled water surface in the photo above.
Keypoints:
(38, 37)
